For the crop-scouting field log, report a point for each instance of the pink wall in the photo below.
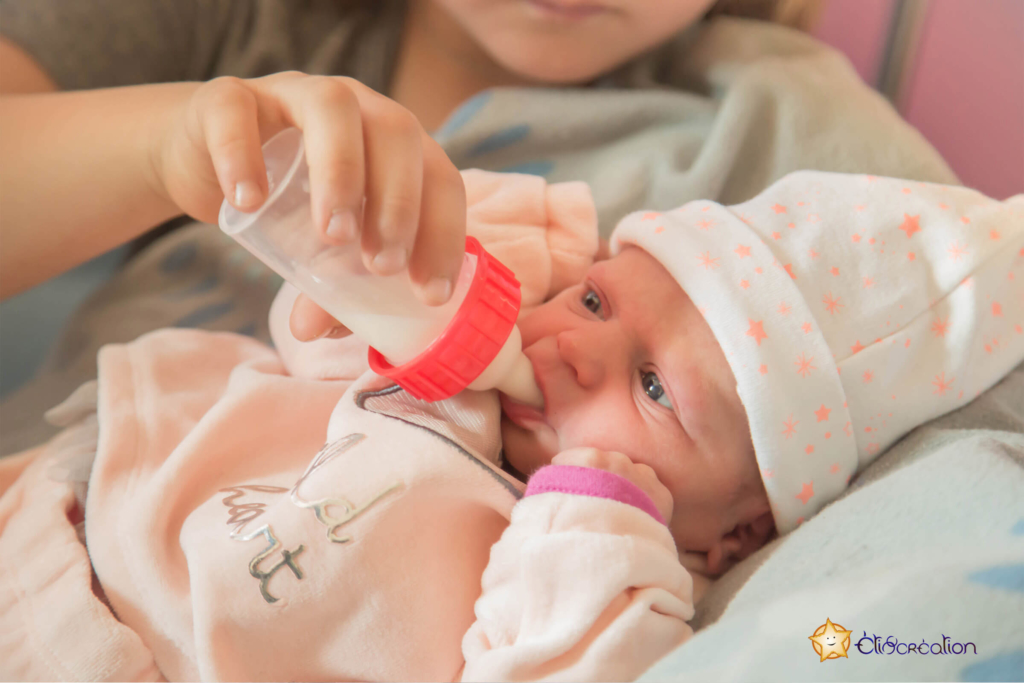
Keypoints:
(966, 93)
(858, 28)
(965, 87)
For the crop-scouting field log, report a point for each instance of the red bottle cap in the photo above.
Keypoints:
(472, 339)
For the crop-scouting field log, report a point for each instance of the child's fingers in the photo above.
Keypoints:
(327, 111)
(441, 237)
(394, 174)
(308, 321)
(227, 116)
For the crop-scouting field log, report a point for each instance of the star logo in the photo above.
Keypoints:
(742, 251)
(830, 641)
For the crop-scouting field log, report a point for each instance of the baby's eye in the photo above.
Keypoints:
(652, 387)
(591, 301)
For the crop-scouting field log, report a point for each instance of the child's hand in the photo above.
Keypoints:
(617, 463)
(358, 144)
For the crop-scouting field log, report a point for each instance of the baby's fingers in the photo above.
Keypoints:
(226, 113)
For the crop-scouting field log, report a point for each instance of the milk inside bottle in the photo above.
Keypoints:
(432, 351)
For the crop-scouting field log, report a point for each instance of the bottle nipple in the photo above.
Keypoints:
(519, 383)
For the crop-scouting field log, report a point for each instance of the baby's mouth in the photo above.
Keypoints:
(522, 415)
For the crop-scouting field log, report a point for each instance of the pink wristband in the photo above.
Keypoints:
(588, 481)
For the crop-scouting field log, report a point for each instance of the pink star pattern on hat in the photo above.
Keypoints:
(757, 331)
(910, 225)
(819, 313)
(806, 492)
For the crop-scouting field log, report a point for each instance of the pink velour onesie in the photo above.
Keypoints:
(285, 514)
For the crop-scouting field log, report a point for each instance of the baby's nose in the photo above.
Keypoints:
(583, 356)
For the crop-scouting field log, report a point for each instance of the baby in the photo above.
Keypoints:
(285, 514)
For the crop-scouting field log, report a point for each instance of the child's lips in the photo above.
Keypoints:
(558, 9)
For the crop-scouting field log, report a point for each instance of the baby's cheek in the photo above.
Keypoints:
(605, 429)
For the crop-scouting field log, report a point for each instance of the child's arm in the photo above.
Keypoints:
(76, 177)
(585, 584)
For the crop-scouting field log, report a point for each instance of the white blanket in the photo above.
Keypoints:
(926, 548)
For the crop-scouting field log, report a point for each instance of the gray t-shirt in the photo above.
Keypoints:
(719, 112)
(107, 43)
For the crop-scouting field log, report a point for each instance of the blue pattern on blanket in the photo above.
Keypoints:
(205, 314)
(463, 114)
(1018, 528)
(1007, 577)
(1004, 667)
(255, 272)
(503, 138)
(180, 258)
(247, 330)
(205, 285)
(541, 168)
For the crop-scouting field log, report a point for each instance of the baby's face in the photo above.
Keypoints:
(570, 41)
(626, 363)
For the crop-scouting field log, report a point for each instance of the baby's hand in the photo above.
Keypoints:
(358, 144)
(617, 463)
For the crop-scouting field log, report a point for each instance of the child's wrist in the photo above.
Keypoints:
(592, 482)
(163, 117)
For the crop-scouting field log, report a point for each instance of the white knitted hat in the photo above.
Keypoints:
(851, 309)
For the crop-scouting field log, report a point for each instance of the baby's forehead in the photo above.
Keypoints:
(635, 278)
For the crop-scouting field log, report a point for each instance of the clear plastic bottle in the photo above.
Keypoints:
(413, 341)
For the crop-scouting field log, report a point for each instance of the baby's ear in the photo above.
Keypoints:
(740, 543)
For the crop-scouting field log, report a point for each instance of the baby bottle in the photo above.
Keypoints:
(433, 352)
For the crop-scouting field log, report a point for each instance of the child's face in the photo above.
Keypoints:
(570, 41)
(627, 363)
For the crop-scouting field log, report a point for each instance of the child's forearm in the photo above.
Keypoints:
(77, 176)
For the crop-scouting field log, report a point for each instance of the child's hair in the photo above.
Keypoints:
(799, 14)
